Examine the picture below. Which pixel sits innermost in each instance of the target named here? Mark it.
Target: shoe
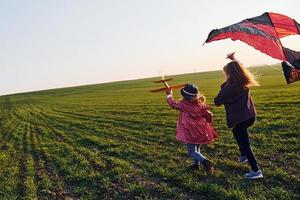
(243, 159)
(253, 175)
(209, 166)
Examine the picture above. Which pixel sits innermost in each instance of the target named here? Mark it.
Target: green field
(117, 141)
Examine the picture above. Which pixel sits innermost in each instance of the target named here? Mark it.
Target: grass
(117, 141)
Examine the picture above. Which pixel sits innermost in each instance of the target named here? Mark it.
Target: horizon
(135, 79)
(50, 45)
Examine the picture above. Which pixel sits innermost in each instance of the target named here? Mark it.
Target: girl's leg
(243, 138)
(197, 150)
(193, 151)
(198, 147)
(235, 134)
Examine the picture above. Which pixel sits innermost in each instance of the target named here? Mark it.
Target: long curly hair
(199, 99)
(238, 74)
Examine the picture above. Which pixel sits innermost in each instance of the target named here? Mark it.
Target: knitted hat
(189, 91)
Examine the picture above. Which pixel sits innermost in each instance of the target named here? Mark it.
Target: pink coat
(194, 123)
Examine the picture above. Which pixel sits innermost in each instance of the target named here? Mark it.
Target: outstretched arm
(172, 103)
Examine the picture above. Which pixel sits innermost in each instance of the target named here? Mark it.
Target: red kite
(263, 33)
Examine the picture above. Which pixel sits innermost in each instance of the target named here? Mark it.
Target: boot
(209, 166)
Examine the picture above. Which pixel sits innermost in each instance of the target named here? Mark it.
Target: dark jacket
(238, 103)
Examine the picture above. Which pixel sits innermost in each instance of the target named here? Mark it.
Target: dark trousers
(240, 132)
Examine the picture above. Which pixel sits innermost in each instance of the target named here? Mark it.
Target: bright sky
(59, 43)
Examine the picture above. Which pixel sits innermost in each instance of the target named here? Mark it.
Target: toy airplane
(167, 86)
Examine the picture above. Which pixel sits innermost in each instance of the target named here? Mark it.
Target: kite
(264, 33)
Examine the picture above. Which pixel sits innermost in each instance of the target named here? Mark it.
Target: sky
(60, 43)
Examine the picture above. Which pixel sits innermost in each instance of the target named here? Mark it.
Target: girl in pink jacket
(194, 124)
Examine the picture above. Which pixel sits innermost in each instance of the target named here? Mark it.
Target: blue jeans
(194, 152)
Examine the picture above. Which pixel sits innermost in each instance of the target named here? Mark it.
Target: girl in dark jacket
(240, 110)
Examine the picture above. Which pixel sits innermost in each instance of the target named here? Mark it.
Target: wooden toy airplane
(167, 86)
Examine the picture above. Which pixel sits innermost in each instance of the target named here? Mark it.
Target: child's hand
(169, 91)
(231, 56)
(208, 116)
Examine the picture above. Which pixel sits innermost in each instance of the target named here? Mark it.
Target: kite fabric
(293, 57)
(263, 33)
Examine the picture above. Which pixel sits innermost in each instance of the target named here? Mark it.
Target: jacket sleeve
(228, 94)
(173, 104)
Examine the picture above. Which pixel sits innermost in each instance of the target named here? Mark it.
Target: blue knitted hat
(189, 91)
